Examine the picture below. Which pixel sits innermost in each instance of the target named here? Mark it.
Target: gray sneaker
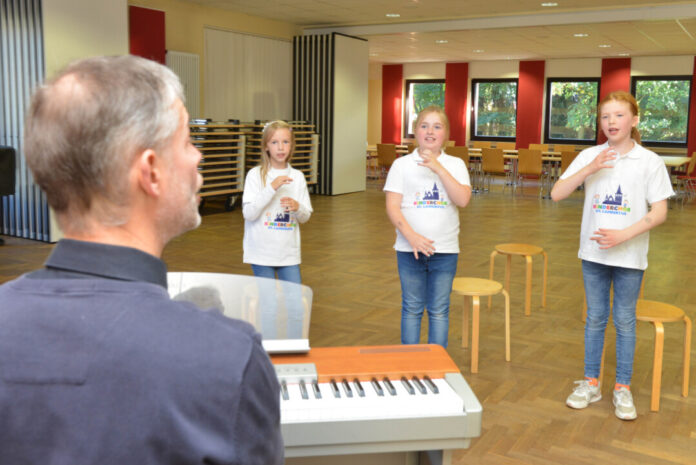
(623, 403)
(583, 395)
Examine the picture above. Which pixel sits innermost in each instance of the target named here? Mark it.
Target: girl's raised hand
(279, 181)
(604, 159)
(429, 160)
(289, 204)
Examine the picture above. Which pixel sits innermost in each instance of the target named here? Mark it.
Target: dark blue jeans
(598, 279)
(426, 283)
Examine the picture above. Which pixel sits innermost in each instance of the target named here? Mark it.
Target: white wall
(424, 70)
(662, 66)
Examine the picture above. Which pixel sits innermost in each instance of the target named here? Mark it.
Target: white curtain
(247, 77)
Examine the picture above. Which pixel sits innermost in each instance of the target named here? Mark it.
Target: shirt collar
(107, 261)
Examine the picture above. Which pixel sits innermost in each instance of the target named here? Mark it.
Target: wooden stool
(658, 313)
(526, 250)
(474, 288)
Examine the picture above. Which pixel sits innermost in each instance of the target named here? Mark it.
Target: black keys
(431, 385)
(377, 387)
(284, 390)
(358, 387)
(418, 384)
(303, 390)
(315, 388)
(334, 389)
(408, 386)
(346, 388)
(389, 386)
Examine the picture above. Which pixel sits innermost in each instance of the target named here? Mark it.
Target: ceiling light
(549, 4)
(393, 15)
(478, 50)
(624, 54)
(580, 34)
(604, 46)
(441, 41)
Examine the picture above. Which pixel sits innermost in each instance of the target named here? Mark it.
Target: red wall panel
(146, 33)
(456, 91)
(392, 103)
(530, 103)
(616, 75)
(691, 135)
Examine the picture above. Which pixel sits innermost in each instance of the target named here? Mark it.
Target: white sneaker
(583, 395)
(623, 403)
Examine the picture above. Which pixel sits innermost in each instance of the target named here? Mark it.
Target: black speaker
(7, 170)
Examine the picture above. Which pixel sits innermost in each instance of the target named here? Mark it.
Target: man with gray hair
(97, 364)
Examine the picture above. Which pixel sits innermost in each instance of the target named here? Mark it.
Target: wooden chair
(505, 145)
(411, 146)
(459, 151)
(542, 147)
(481, 144)
(450, 143)
(475, 288)
(527, 251)
(493, 162)
(474, 167)
(563, 148)
(530, 164)
(686, 184)
(386, 154)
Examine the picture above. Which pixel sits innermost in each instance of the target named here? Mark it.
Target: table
(549, 157)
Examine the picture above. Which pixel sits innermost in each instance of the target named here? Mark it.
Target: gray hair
(85, 127)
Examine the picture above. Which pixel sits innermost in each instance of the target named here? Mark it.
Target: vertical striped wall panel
(25, 214)
(186, 66)
(313, 93)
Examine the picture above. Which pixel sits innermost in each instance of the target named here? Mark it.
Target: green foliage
(664, 110)
(428, 94)
(496, 110)
(573, 110)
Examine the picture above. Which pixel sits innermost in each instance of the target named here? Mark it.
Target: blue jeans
(269, 300)
(426, 282)
(598, 280)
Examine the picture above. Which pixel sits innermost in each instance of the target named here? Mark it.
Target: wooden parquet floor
(349, 262)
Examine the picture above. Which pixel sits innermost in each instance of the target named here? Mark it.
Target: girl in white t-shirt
(423, 190)
(621, 179)
(275, 202)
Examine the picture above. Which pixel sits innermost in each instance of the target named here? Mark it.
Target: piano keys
(381, 399)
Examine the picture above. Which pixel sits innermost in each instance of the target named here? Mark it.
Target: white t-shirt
(616, 198)
(272, 235)
(424, 203)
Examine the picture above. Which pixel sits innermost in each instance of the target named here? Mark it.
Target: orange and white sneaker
(584, 394)
(623, 404)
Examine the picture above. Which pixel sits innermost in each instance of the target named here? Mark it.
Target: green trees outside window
(664, 108)
(421, 93)
(572, 110)
(495, 108)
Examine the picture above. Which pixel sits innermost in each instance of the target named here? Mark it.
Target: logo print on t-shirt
(613, 204)
(282, 221)
(430, 199)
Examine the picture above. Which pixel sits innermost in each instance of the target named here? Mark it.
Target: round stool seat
(650, 310)
(476, 286)
(519, 249)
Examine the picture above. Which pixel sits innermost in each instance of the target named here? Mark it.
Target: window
(664, 109)
(494, 109)
(571, 115)
(421, 93)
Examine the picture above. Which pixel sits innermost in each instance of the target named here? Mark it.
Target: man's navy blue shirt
(99, 366)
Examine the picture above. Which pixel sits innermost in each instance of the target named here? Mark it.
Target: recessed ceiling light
(478, 50)
(393, 15)
(374, 54)
(624, 54)
(580, 34)
(441, 41)
(549, 4)
(604, 45)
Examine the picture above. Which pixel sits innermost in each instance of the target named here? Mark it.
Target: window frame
(406, 131)
(685, 77)
(473, 115)
(547, 117)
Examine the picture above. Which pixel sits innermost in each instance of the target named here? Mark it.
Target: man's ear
(147, 170)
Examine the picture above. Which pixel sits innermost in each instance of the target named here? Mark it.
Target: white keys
(371, 405)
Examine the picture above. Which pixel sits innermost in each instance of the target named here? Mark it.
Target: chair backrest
(386, 154)
(450, 143)
(505, 145)
(563, 148)
(481, 144)
(566, 159)
(542, 147)
(459, 151)
(492, 160)
(692, 165)
(411, 147)
(529, 162)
